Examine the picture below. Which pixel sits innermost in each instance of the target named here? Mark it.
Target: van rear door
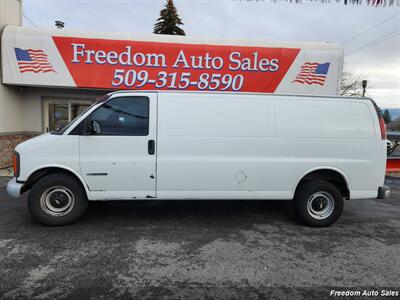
(120, 161)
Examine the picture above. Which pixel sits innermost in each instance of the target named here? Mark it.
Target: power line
(29, 19)
(377, 41)
(370, 28)
(373, 44)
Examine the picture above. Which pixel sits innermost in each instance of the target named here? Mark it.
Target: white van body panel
(225, 146)
(252, 146)
(119, 166)
(50, 151)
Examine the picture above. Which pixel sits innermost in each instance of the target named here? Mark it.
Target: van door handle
(151, 147)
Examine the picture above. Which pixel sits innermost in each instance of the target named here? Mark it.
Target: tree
(169, 21)
(351, 85)
(387, 117)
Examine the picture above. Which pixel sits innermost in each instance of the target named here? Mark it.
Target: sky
(379, 63)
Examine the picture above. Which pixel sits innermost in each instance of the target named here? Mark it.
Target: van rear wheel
(57, 199)
(318, 203)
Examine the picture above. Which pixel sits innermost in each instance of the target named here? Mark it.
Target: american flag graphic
(313, 73)
(33, 61)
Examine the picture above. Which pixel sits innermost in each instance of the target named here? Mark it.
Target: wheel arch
(38, 173)
(330, 174)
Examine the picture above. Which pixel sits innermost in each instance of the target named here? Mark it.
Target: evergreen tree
(169, 21)
(387, 117)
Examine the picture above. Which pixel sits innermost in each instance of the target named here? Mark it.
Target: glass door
(59, 113)
(77, 107)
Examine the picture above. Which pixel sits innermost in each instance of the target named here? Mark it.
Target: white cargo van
(190, 145)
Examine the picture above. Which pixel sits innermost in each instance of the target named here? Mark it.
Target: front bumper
(383, 192)
(14, 188)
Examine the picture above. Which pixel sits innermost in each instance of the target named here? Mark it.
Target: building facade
(28, 111)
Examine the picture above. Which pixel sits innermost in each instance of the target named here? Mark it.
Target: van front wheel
(318, 203)
(57, 199)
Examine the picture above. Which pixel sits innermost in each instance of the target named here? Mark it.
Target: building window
(59, 113)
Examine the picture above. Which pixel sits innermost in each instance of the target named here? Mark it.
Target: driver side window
(123, 116)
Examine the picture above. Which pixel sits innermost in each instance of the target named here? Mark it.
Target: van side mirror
(96, 128)
(91, 127)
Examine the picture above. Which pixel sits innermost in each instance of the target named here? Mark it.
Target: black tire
(65, 193)
(313, 198)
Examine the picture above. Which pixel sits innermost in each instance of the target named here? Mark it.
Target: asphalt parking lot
(199, 249)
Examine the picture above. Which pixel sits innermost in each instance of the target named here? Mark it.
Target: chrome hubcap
(320, 205)
(57, 201)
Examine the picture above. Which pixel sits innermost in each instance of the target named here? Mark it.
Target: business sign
(33, 57)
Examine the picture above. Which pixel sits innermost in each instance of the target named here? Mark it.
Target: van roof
(233, 93)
